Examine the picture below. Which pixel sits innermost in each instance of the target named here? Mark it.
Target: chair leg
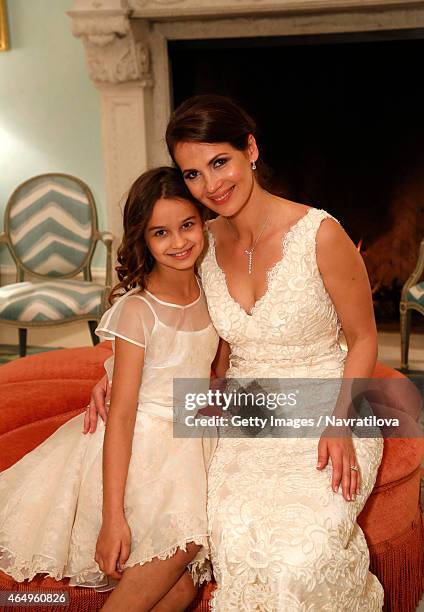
(22, 342)
(92, 325)
(405, 330)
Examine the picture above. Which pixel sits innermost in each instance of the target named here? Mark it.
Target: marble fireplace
(126, 46)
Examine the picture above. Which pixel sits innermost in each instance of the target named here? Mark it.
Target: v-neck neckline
(269, 272)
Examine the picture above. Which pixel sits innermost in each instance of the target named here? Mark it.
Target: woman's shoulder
(312, 217)
(324, 230)
(330, 236)
(205, 263)
(314, 227)
(213, 226)
(294, 212)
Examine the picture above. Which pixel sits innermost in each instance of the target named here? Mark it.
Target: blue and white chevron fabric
(50, 301)
(416, 294)
(50, 225)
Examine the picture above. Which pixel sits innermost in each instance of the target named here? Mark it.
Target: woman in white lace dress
(281, 279)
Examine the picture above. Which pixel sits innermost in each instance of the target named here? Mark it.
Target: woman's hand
(342, 454)
(100, 399)
(113, 546)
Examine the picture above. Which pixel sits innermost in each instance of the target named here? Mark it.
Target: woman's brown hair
(135, 262)
(212, 118)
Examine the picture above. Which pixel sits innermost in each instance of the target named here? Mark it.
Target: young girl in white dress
(143, 521)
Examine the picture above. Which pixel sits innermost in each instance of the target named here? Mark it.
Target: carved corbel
(112, 52)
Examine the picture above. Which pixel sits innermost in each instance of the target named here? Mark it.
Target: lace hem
(21, 569)
(200, 569)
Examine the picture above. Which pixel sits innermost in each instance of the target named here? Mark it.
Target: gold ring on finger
(354, 468)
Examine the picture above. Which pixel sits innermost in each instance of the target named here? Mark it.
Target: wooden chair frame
(406, 307)
(85, 268)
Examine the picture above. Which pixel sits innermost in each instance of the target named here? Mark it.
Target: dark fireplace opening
(341, 123)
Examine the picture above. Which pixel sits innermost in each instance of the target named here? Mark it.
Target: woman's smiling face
(218, 175)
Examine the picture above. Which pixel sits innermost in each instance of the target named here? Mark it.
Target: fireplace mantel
(176, 9)
(126, 49)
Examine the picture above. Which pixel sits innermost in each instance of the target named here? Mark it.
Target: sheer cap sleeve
(130, 318)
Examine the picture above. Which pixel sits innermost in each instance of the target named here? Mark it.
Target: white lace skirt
(51, 502)
(281, 540)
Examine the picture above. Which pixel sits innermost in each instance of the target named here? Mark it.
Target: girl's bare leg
(179, 597)
(143, 586)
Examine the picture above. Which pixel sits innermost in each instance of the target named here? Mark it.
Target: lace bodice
(179, 342)
(293, 329)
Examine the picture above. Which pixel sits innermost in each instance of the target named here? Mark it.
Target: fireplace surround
(127, 46)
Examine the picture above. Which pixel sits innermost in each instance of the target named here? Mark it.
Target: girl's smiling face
(174, 233)
(218, 175)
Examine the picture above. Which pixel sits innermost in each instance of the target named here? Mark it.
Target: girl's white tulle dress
(51, 500)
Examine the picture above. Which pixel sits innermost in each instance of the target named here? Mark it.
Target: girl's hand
(113, 546)
(342, 454)
(100, 399)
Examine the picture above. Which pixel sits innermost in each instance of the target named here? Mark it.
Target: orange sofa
(41, 392)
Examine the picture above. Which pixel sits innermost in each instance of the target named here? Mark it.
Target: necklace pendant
(249, 253)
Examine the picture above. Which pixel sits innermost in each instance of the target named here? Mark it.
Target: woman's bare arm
(345, 278)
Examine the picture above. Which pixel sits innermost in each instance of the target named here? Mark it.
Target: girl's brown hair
(212, 118)
(135, 262)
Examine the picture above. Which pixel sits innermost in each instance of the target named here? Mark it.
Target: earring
(253, 165)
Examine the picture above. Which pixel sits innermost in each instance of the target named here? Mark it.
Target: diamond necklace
(249, 252)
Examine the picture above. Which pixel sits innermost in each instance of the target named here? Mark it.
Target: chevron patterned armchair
(412, 298)
(50, 227)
